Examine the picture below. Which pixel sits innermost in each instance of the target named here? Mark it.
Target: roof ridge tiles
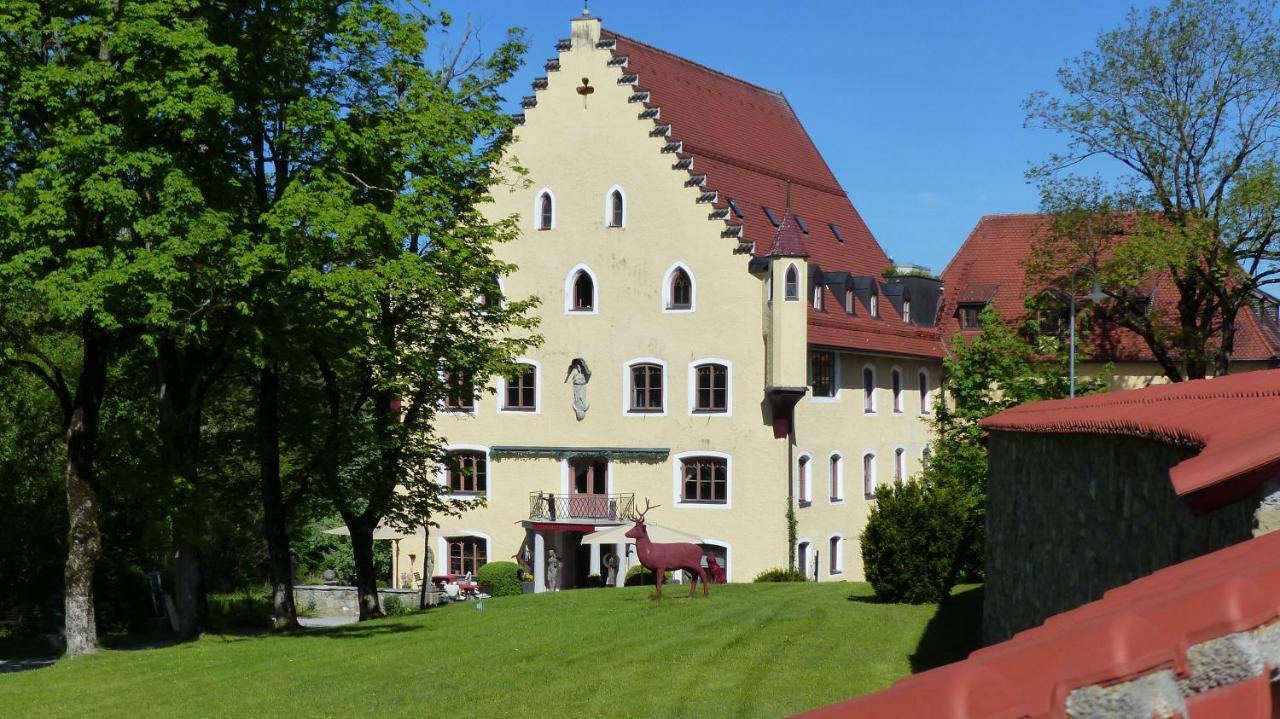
(687, 61)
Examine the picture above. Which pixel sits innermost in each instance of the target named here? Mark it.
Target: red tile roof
(788, 241)
(991, 267)
(1235, 455)
(749, 143)
(1134, 630)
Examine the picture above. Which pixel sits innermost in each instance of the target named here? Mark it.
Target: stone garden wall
(1071, 516)
(326, 600)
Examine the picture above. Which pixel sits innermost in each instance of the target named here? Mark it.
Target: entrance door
(588, 488)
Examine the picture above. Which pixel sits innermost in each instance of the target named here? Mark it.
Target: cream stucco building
(720, 335)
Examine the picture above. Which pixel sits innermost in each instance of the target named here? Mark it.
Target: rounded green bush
(638, 575)
(913, 547)
(499, 579)
(780, 575)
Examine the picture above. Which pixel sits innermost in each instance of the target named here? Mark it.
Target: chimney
(585, 31)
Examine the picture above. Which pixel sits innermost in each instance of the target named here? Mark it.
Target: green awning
(621, 454)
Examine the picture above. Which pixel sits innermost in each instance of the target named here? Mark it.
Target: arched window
(899, 465)
(584, 293)
(837, 485)
(802, 559)
(467, 472)
(906, 306)
(792, 284)
(924, 393)
(546, 210)
(817, 296)
(873, 305)
(681, 290)
(802, 481)
(646, 387)
(848, 300)
(868, 390)
(897, 392)
(869, 475)
(617, 208)
(834, 557)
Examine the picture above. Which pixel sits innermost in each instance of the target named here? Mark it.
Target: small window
(467, 472)
(712, 393)
(467, 554)
(897, 392)
(705, 480)
(792, 284)
(800, 224)
(817, 296)
(869, 475)
(868, 390)
(584, 293)
(836, 231)
(546, 211)
(733, 205)
(873, 306)
(968, 316)
(773, 220)
(616, 207)
(646, 388)
(836, 484)
(522, 391)
(681, 290)
(924, 393)
(822, 373)
(899, 465)
(459, 393)
(833, 556)
(802, 559)
(906, 307)
(802, 481)
(849, 302)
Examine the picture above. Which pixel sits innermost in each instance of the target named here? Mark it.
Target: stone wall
(1071, 516)
(325, 600)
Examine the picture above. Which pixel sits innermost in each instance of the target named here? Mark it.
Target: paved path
(22, 665)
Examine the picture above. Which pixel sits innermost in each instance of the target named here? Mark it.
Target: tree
(1183, 102)
(104, 116)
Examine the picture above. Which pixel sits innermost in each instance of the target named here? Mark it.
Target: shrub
(594, 581)
(499, 579)
(780, 575)
(395, 607)
(914, 545)
(638, 576)
(248, 609)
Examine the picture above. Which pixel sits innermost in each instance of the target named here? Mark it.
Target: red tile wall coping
(1232, 420)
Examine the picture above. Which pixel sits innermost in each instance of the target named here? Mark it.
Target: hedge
(499, 579)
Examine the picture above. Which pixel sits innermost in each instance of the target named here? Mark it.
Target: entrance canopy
(657, 533)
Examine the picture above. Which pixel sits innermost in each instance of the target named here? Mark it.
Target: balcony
(547, 507)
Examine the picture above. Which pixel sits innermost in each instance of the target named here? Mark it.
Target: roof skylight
(836, 231)
(772, 219)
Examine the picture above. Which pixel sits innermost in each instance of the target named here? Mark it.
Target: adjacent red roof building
(745, 144)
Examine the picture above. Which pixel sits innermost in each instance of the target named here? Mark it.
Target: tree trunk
(366, 576)
(84, 535)
(188, 582)
(283, 610)
(1222, 363)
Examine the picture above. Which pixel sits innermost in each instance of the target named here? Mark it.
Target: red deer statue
(658, 557)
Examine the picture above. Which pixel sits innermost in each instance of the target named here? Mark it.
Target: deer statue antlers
(639, 518)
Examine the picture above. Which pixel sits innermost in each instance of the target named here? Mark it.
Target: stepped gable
(743, 142)
(991, 267)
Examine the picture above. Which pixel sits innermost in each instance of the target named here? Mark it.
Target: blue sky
(916, 106)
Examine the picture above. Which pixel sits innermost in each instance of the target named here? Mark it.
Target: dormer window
(848, 300)
(817, 296)
(906, 307)
(617, 205)
(968, 315)
(873, 306)
(791, 289)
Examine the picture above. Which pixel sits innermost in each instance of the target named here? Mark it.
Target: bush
(499, 579)
(780, 575)
(395, 607)
(639, 576)
(248, 609)
(594, 581)
(914, 545)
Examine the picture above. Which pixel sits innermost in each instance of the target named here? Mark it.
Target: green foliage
(640, 576)
(499, 579)
(318, 550)
(788, 574)
(914, 540)
(246, 609)
(396, 607)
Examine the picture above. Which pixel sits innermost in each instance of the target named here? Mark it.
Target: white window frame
(800, 542)
(899, 464)
(442, 547)
(475, 403)
(862, 382)
(693, 387)
(568, 290)
(839, 555)
(804, 459)
(537, 209)
(896, 397)
(836, 378)
(677, 479)
(666, 290)
(817, 296)
(442, 476)
(838, 456)
(875, 481)
(873, 301)
(608, 208)
(626, 387)
(799, 284)
(728, 557)
(537, 389)
(924, 389)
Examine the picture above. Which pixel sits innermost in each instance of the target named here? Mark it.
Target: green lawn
(751, 650)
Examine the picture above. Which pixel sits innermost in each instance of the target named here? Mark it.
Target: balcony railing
(547, 507)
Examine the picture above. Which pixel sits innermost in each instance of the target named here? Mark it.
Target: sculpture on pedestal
(660, 556)
(581, 375)
(553, 571)
(611, 564)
